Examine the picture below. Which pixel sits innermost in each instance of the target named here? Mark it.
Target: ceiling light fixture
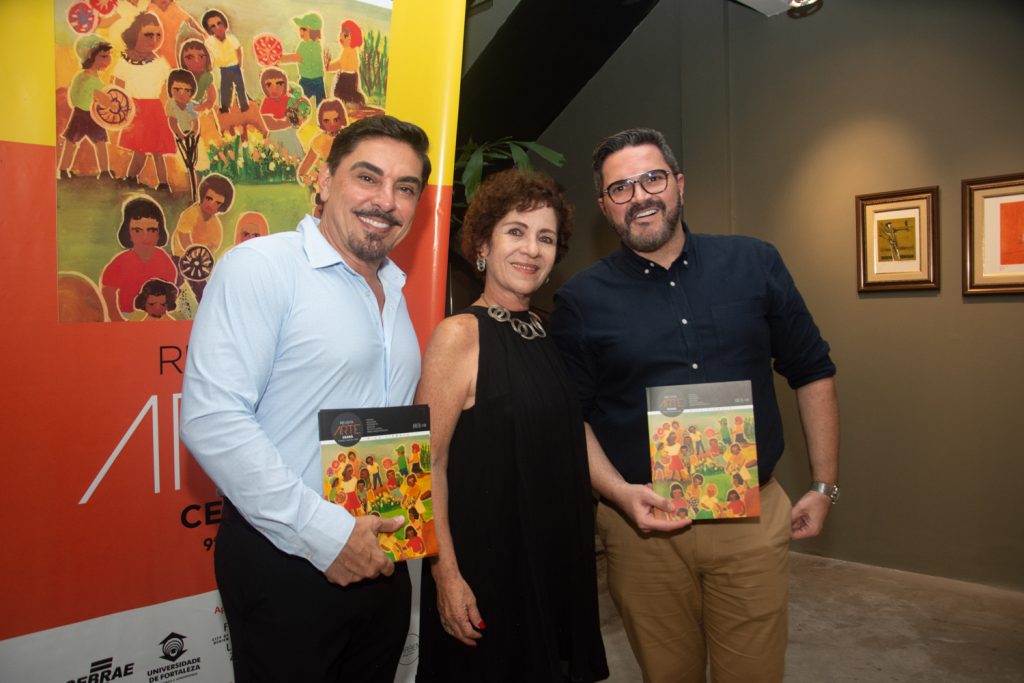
(803, 8)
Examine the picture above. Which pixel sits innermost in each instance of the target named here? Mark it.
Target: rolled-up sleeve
(800, 353)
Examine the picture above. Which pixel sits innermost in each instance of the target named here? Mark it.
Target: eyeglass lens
(653, 182)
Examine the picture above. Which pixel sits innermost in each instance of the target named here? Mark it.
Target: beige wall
(779, 124)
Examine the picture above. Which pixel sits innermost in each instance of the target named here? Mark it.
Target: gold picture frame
(993, 232)
(898, 240)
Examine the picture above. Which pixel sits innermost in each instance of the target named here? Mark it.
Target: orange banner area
(114, 512)
(80, 391)
(423, 255)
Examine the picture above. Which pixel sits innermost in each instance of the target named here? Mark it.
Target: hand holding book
(361, 557)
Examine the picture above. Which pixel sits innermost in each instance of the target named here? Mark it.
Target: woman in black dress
(512, 596)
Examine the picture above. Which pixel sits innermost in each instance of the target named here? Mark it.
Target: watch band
(830, 490)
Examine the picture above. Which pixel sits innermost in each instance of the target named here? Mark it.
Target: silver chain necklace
(527, 330)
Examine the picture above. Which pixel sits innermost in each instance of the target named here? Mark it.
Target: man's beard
(372, 246)
(649, 241)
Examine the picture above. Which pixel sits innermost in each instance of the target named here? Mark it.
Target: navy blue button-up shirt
(727, 309)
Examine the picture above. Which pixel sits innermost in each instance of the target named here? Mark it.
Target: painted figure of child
(85, 90)
(199, 224)
(309, 55)
(157, 299)
(274, 110)
(226, 52)
(142, 233)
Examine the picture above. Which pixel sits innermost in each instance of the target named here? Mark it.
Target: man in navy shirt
(675, 307)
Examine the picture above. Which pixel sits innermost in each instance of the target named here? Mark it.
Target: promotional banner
(203, 128)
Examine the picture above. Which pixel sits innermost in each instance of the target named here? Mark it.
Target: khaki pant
(717, 588)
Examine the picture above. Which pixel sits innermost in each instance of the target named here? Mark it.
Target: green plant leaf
(546, 153)
(473, 172)
(519, 157)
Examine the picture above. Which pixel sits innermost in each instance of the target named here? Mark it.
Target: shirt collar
(322, 255)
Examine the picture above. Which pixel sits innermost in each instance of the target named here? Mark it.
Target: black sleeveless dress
(522, 520)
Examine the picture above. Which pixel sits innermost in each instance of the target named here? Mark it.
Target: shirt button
(685, 262)
(647, 271)
(694, 366)
(685, 321)
(673, 283)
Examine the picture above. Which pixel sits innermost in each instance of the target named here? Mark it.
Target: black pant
(289, 623)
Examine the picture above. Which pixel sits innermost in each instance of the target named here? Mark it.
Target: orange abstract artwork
(1011, 233)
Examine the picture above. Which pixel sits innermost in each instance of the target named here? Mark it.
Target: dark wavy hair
(220, 185)
(156, 287)
(381, 127)
(330, 104)
(210, 14)
(631, 137)
(140, 207)
(181, 76)
(130, 35)
(514, 190)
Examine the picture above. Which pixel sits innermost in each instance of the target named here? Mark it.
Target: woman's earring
(481, 263)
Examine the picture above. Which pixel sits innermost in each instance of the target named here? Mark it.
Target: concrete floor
(853, 622)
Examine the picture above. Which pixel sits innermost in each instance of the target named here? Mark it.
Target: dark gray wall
(779, 123)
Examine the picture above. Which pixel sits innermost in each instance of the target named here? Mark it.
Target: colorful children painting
(380, 476)
(701, 479)
(178, 105)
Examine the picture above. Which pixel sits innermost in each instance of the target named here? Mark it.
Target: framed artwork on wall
(898, 240)
(993, 225)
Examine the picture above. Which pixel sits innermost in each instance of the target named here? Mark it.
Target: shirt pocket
(742, 332)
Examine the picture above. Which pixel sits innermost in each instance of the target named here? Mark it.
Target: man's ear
(323, 182)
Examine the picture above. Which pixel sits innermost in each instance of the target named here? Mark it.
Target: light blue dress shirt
(287, 328)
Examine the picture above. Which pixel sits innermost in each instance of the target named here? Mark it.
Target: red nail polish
(481, 625)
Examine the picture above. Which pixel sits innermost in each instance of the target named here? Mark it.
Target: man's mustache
(379, 215)
(635, 209)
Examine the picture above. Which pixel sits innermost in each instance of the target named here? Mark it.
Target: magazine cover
(376, 461)
(704, 449)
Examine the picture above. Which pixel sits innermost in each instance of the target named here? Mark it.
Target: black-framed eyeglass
(653, 182)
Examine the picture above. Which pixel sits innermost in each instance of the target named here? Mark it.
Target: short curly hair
(514, 190)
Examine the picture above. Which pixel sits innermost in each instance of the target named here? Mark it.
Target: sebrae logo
(104, 670)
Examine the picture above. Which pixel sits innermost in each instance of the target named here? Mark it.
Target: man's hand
(809, 515)
(362, 558)
(640, 503)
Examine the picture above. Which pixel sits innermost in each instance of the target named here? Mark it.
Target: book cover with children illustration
(704, 449)
(376, 461)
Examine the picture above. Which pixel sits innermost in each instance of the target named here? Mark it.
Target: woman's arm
(448, 386)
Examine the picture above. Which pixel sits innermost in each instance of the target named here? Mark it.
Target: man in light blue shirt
(290, 324)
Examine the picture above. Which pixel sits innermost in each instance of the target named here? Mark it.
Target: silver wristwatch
(830, 490)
